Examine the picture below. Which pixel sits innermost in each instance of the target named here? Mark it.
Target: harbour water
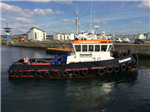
(127, 92)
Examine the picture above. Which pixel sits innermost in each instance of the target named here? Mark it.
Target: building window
(60, 37)
(35, 35)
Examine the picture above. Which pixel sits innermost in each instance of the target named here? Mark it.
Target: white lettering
(88, 42)
(124, 60)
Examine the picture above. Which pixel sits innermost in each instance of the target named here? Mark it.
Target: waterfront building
(36, 34)
(148, 36)
(63, 36)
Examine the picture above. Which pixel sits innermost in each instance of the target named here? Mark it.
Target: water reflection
(79, 93)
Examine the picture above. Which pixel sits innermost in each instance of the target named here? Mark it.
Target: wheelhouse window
(84, 48)
(97, 48)
(78, 48)
(91, 47)
(110, 48)
(103, 48)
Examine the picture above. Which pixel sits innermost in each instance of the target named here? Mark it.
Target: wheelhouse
(91, 50)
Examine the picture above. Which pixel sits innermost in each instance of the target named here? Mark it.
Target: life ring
(109, 69)
(116, 69)
(64, 73)
(123, 67)
(84, 71)
(10, 72)
(55, 73)
(46, 74)
(37, 73)
(101, 71)
(15, 72)
(20, 73)
(28, 72)
(129, 64)
(76, 72)
(134, 63)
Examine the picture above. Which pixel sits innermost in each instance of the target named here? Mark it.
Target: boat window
(84, 48)
(110, 48)
(78, 48)
(91, 47)
(103, 48)
(97, 48)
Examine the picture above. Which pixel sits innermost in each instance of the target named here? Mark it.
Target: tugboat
(89, 58)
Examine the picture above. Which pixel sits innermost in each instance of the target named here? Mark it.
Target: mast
(77, 20)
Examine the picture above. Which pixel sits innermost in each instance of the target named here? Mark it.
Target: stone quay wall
(124, 47)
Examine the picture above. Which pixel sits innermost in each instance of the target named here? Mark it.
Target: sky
(113, 17)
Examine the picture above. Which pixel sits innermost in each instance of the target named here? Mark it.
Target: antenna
(6, 25)
(91, 16)
(96, 28)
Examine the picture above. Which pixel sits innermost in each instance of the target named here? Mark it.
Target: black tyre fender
(109, 69)
(37, 73)
(116, 69)
(28, 72)
(15, 72)
(64, 73)
(101, 71)
(134, 64)
(76, 72)
(129, 64)
(20, 73)
(123, 67)
(46, 74)
(10, 72)
(55, 73)
(84, 71)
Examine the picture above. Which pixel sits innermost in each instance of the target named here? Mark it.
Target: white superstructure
(90, 50)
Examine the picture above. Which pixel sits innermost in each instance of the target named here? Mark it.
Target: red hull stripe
(43, 70)
(98, 67)
(28, 70)
(75, 69)
(55, 70)
(70, 69)
(81, 68)
(40, 63)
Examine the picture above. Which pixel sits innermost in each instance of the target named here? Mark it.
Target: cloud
(27, 12)
(145, 4)
(64, 2)
(66, 20)
(40, 1)
(94, 21)
(21, 20)
(58, 24)
(136, 22)
(20, 29)
(9, 8)
(69, 2)
(3, 20)
(106, 22)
